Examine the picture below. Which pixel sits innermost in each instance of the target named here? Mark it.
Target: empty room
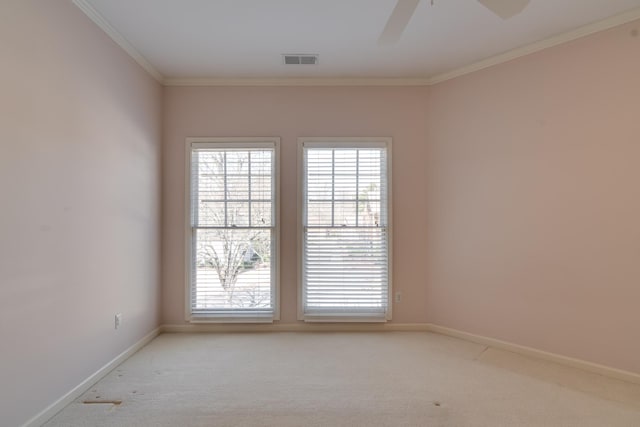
(319, 213)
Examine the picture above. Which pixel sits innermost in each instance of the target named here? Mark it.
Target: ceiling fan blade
(398, 21)
(505, 9)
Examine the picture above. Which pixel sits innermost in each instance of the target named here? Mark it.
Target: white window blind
(345, 227)
(233, 232)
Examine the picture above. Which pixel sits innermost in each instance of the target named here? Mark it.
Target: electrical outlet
(118, 320)
(398, 296)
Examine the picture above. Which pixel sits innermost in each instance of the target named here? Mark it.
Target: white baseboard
(296, 327)
(55, 407)
(539, 354)
(85, 385)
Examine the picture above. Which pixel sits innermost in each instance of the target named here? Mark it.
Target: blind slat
(345, 243)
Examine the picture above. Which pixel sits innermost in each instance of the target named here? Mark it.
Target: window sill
(333, 318)
(226, 318)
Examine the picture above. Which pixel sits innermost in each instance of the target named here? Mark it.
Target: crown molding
(101, 22)
(586, 30)
(298, 82)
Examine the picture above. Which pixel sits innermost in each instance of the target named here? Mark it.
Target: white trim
(85, 385)
(101, 22)
(187, 230)
(233, 141)
(278, 233)
(351, 318)
(583, 31)
(361, 81)
(230, 144)
(559, 39)
(348, 142)
(528, 49)
(296, 327)
(272, 142)
(215, 318)
(299, 237)
(389, 178)
(538, 354)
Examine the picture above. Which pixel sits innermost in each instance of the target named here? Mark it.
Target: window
(232, 236)
(345, 229)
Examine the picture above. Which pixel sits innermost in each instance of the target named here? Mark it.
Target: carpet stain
(109, 402)
(481, 353)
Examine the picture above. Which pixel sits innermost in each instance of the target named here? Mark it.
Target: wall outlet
(398, 296)
(118, 320)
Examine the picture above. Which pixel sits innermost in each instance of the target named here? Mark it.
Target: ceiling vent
(300, 59)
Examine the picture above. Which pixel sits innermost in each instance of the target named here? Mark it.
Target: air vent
(300, 59)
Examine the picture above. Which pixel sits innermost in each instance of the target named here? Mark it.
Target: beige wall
(79, 187)
(516, 197)
(533, 200)
(291, 112)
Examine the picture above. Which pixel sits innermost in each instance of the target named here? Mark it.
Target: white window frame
(343, 142)
(237, 143)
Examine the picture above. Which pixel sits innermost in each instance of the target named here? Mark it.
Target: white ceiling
(190, 39)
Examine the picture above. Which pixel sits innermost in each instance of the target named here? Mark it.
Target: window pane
(237, 162)
(211, 214)
(238, 187)
(344, 214)
(261, 214)
(369, 187)
(369, 161)
(320, 187)
(237, 214)
(210, 187)
(345, 187)
(260, 187)
(232, 269)
(319, 162)
(233, 218)
(368, 213)
(210, 162)
(345, 162)
(261, 162)
(319, 213)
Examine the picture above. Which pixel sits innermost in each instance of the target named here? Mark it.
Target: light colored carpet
(346, 379)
